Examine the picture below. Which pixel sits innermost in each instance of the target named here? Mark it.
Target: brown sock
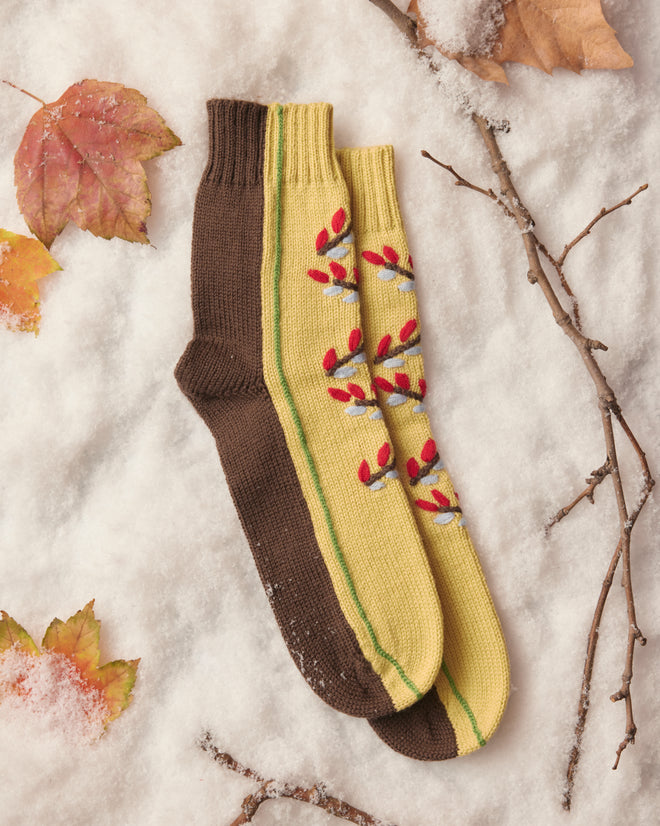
(221, 372)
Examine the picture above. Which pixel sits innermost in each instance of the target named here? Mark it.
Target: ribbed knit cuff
(369, 175)
(236, 152)
(309, 146)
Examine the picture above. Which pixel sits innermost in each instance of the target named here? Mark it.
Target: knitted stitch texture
(357, 609)
(321, 387)
(472, 688)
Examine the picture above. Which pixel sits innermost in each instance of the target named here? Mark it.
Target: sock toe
(422, 731)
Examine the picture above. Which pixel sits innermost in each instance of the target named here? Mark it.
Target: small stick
(316, 795)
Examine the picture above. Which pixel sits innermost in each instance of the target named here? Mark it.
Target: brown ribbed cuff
(236, 129)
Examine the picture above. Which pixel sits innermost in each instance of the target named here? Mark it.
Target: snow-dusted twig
(512, 205)
(316, 795)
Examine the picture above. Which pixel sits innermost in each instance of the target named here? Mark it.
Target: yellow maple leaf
(76, 640)
(23, 261)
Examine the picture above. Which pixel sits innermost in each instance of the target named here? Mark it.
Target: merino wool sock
(465, 706)
(276, 369)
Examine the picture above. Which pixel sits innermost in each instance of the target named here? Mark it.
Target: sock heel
(210, 368)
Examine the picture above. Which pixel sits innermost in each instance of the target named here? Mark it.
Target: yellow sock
(320, 385)
(472, 687)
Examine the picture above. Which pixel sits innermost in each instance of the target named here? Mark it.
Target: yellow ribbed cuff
(369, 174)
(309, 145)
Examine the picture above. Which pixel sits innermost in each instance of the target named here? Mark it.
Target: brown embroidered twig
(424, 470)
(510, 202)
(316, 795)
(335, 241)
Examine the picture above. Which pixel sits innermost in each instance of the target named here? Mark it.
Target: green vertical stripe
(464, 705)
(296, 419)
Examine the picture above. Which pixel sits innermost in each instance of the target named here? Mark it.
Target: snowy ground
(111, 487)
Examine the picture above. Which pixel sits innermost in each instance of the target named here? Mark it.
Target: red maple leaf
(81, 160)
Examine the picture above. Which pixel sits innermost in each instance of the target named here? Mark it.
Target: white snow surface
(111, 487)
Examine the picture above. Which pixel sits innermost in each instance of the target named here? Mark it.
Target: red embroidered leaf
(356, 275)
(354, 339)
(317, 275)
(383, 455)
(338, 220)
(373, 388)
(384, 344)
(384, 384)
(440, 498)
(373, 257)
(355, 390)
(456, 495)
(330, 359)
(412, 466)
(340, 395)
(321, 238)
(428, 451)
(363, 471)
(402, 381)
(337, 270)
(407, 330)
(422, 387)
(81, 160)
(410, 263)
(426, 506)
(391, 255)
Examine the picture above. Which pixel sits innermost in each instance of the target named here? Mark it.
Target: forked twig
(510, 202)
(316, 795)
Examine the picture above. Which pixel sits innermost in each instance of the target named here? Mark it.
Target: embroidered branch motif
(332, 246)
(390, 267)
(400, 391)
(338, 281)
(445, 511)
(424, 474)
(386, 469)
(358, 398)
(390, 356)
(342, 368)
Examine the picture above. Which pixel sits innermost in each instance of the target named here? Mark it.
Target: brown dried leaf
(571, 34)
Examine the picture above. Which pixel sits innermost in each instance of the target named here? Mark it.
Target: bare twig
(607, 403)
(597, 476)
(273, 789)
(604, 211)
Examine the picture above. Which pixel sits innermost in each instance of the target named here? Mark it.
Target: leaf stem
(25, 92)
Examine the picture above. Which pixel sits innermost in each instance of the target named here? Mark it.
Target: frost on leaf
(62, 683)
(546, 34)
(81, 160)
(23, 261)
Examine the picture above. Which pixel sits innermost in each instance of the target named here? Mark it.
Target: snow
(111, 487)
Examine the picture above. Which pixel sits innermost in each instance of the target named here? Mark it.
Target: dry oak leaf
(23, 261)
(546, 34)
(77, 640)
(81, 160)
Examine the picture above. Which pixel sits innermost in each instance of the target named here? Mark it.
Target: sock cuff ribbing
(369, 174)
(235, 142)
(308, 147)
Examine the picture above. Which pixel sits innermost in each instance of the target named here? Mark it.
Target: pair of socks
(306, 365)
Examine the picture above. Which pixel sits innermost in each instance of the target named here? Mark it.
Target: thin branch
(593, 223)
(461, 181)
(597, 476)
(316, 795)
(607, 403)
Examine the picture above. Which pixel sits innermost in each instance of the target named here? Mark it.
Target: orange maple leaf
(23, 261)
(81, 160)
(546, 34)
(76, 640)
